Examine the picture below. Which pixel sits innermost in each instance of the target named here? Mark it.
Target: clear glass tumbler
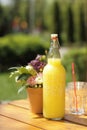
(77, 99)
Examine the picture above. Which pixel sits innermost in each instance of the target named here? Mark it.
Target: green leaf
(22, 70)
(23, 76)
(21, 89)
(15, 73)
(31, 70)
(13, 68)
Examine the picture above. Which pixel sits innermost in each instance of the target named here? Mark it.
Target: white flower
(39, 79)
(28, 67)
(31, 70)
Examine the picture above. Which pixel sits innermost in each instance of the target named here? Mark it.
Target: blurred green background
(25, 28)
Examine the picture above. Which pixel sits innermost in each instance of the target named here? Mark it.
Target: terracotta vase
(35, 96)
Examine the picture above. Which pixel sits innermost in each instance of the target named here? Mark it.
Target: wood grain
(11, 124)
(76, 119)
(20, 103)
(70, 117)
(23, 115)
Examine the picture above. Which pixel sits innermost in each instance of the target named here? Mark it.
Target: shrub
(19, 49)
(79, 57)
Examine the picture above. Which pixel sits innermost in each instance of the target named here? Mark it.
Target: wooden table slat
(77, 119)
(10, 124)
(25, 116)
(20, 103)
(70, 117)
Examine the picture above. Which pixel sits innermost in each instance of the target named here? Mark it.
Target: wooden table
(17, 116)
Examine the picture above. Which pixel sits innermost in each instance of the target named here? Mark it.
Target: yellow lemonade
(54, 89)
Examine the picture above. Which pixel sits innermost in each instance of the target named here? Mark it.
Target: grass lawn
(8, 89)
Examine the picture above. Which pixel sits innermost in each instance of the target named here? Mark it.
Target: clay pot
(35, 96)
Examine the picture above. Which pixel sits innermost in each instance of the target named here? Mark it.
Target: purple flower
(38, 64)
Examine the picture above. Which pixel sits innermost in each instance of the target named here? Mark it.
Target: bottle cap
(53, 36)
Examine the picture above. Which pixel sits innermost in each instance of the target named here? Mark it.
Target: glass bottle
(54, 83)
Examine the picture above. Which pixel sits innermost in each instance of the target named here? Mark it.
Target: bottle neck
(55, 43)
(54, 48)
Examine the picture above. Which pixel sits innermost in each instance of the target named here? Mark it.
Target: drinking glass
(76, 97)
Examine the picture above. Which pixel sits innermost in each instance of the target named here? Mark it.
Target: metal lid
(54, 35)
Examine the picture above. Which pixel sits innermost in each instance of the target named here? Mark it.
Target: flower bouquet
(30, 77)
